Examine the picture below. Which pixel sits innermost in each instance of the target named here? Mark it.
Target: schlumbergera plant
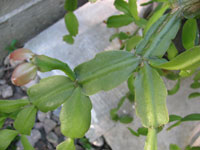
(141, 62)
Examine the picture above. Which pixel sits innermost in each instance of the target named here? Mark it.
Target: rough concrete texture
(93, 38)
(23, 19)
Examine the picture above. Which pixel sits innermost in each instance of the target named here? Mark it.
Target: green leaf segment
(105, 72)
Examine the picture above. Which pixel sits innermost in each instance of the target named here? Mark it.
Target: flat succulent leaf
(106, 71)
(2, 120)
(145, 41)
(71, 23)
(130, 83)
(187, 60)
(8, 106)
(132, 42)
(51, 92)
(191, 117)
(122, 5)
(175, 89)
(133, 132)
(69, 39)
(70, 5)
(174, 118)
(25, 120)
(195, 85)
(66, 145)
(194, 95)
(189, 33)
(133, 9)
(197, 76)
(26, 144)
(125, 119)
(174, 147)
(151, 140)
(6, 137)
(172, 52)
(75, 115)
(156, 15)
(150, 96)
(161, 42)
(45, 64)
(117, 21)
(142, 131)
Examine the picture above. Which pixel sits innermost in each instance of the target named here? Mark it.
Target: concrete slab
(94, 37)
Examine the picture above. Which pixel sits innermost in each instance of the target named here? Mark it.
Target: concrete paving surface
(93, 38)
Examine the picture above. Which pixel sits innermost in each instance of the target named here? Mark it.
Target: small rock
(41, 116)
(1, 72)
(6, 91)
(49, 146)
(49, 125)
(57, 131)
(52, 138)
(2, 82)
(98, 142)
(7, 60)
(38, 125)
(35, 136)
(56, 118)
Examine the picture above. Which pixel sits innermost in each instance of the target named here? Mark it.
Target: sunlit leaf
(132, 42)
(172, 51)
(122, 5)
(106, 71)
(75, 115)
(51, 92)
(66, 145)
(187, 60)
(26, 144)
(25, 120)
(174, 118)
(8, 106)
(71, 23)
(151, 96)
(45, 64)
(189, 33)
(133, 9)
(6, 137)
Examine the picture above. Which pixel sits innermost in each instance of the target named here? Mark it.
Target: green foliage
(12, 46)
(25, 143)
(151, 96)
(189, 33)
(45, 64)
(69, 39)
(60, 88)
(75, 115)
(70, 5)
(132, 42)
(119, 21)
(194, 95)
(66, 145)
(187, 60)
(175, 89)
(174, 147)
(25, 120)
(71, 23)
(6, 137)
(8, 106)
(106, 71)
(172, 51)
(85, 143)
